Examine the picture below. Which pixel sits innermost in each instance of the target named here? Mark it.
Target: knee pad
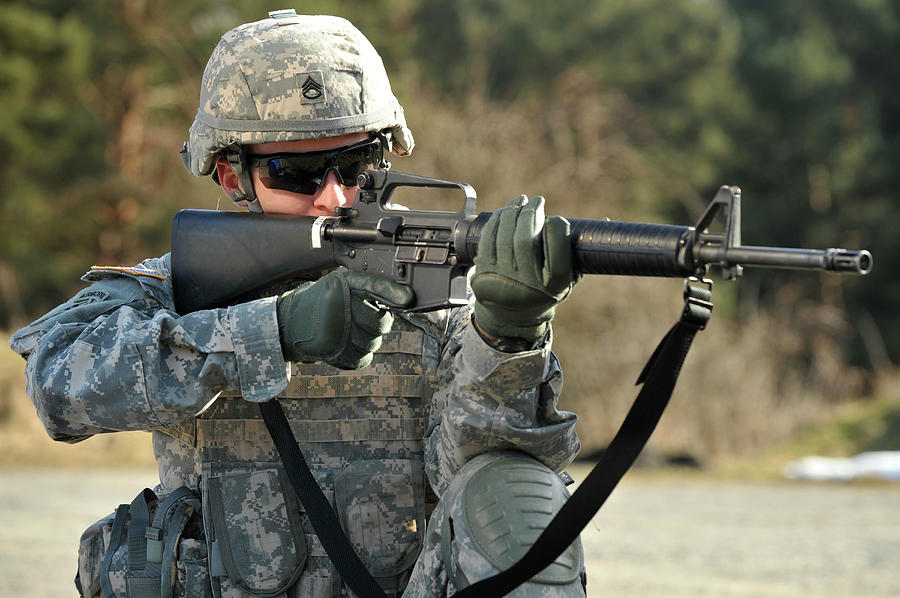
(499, 504)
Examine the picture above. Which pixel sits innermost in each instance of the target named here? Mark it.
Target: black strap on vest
(321, 516)
(658, 379)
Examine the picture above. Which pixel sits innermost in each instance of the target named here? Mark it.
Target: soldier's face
(322, 203)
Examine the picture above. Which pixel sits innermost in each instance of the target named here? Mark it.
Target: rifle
(220, 257)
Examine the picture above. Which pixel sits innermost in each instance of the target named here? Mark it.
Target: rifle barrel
(833, 260)
(642, 249)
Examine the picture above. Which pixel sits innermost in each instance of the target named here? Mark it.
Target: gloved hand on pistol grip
(335, 320)
(522, 271)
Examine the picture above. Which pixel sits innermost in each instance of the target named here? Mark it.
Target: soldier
(392, 410)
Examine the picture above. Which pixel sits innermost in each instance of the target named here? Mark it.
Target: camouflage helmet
(288, 78)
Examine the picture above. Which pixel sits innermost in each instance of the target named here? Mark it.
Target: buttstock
(217, 257)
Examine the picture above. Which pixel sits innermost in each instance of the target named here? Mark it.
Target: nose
(331, 195)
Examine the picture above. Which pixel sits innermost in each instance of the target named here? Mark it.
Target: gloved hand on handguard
(522, 271)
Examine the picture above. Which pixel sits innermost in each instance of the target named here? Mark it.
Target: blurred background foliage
(632, 109)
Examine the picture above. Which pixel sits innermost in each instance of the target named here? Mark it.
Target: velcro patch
(90, 296)
(132, 270)
(312, 87)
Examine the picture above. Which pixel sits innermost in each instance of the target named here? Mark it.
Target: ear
(228, 178)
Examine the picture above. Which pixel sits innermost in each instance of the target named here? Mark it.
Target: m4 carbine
(220, 258)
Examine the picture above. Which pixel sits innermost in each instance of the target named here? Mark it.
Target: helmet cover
(289, 78)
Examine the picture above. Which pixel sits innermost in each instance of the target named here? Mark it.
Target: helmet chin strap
(385, 149)
(237, 159)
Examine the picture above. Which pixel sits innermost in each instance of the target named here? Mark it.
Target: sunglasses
(305, 173)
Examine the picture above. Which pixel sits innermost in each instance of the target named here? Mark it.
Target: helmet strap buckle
(385, 148)
(237, 159)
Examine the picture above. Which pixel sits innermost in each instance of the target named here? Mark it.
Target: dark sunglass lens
(352, 163)
(275, 167)
(286, 183)
(297, 166)
(299, 174)
(349, 172)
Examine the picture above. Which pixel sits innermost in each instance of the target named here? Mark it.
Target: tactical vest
(361, 432)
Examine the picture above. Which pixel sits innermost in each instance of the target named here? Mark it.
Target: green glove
(335, 320)
(522, 270)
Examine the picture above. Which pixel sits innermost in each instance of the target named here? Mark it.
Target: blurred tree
(794, 101)
(87, 92)
(51, 141)
(820, 152)
(671, 61)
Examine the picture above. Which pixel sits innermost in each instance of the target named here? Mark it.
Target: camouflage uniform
(117, 357)
(435, 409)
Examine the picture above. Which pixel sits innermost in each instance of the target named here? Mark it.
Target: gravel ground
(655, 537)
(700, 538)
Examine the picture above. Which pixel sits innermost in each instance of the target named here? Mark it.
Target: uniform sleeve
(489, 400)
(118, 357)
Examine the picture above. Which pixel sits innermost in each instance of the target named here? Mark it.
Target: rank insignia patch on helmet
(312, 87)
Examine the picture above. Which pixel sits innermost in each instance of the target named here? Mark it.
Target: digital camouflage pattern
(255, 531)
(383, 441)
(120, 339)
(292, 78)
(172, 562)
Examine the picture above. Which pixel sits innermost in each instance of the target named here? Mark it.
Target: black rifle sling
(658, 379)
(321, 516)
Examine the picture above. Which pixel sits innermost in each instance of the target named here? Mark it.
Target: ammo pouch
(257, 542)
(262, 543)
(381, 507)
(148, 549)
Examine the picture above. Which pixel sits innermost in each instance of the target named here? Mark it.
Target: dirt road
(656, 537)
